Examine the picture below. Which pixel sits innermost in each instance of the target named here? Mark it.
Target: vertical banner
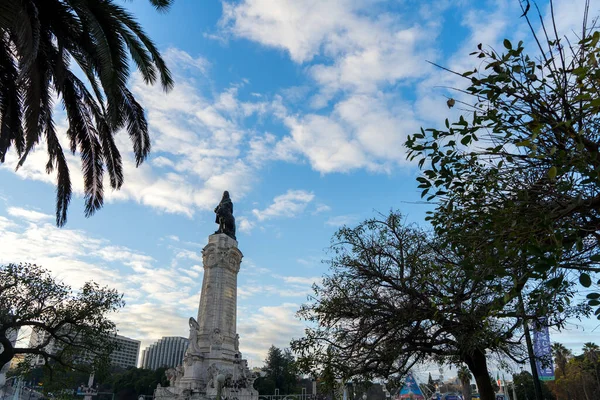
(411, 389)
(543, 352)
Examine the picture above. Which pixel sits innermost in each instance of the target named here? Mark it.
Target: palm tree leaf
(137, 127)
(100, 43)
(83, 132)
(25, 32)
(33, 87)
(161, 5)
(140, 56)
(111, 154)
(93, 171)
(69, 34)
(132, 24)
(10, 102)
(8, 12)
(56, 158)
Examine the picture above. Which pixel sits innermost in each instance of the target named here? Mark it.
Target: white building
(127, 353)
(166, 352)
(125, 356)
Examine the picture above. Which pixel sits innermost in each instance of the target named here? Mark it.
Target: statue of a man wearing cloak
(225, 217)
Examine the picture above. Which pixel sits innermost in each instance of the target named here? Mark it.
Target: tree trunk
(8, 353)
(466, 388)
(584, 388)
(478, 366)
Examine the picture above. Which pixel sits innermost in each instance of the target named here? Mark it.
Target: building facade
(167, 352)
(39, 336)
(127, 354)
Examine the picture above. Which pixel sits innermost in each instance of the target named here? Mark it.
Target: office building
(125, 356)
(127, 353)
(166, 352)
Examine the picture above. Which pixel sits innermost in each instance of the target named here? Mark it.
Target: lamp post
(220, 382)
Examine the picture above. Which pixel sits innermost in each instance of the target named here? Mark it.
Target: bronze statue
(225, 217)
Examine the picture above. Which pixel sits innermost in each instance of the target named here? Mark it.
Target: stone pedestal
(213, 354)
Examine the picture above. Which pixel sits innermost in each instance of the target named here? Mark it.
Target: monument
(213, 364)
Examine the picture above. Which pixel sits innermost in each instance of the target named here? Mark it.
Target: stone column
(218, 301)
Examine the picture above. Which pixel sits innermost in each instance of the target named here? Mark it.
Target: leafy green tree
(133, 382)
(395, 297)
(524, 389)
(591, 352)
(75, 322)
(562, 355)
(521, 164)
(39, 40)
(280, 373)
(56, 381)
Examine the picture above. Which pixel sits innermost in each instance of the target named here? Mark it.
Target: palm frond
(140, 56)
(161, 5)
(8, 12)
(38, 41)
(96, 40)
(111, 154)
(11, 130)
(125, 18)
(82, 131)
(137, 127)
(25, 34)
(56, 159)
(33, 87)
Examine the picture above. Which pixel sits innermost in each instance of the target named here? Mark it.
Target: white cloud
(302, 280)
(74, 257)
(181, 59)
(245, 225)
(299, 27)
(287, 205)
(29, 215)
(321, 208)
(340, 220)
(361, 132)
(273, 325)
(369, 46)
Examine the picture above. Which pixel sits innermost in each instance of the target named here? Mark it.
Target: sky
(300, 109)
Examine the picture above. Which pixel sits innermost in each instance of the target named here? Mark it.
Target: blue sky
(300, 109)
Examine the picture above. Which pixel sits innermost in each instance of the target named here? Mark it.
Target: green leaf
(595, 257)
(507, 44)
(552, 173)
(585, 280)
(593, 296)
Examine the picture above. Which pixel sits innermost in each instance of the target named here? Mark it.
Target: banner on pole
(543, 352)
